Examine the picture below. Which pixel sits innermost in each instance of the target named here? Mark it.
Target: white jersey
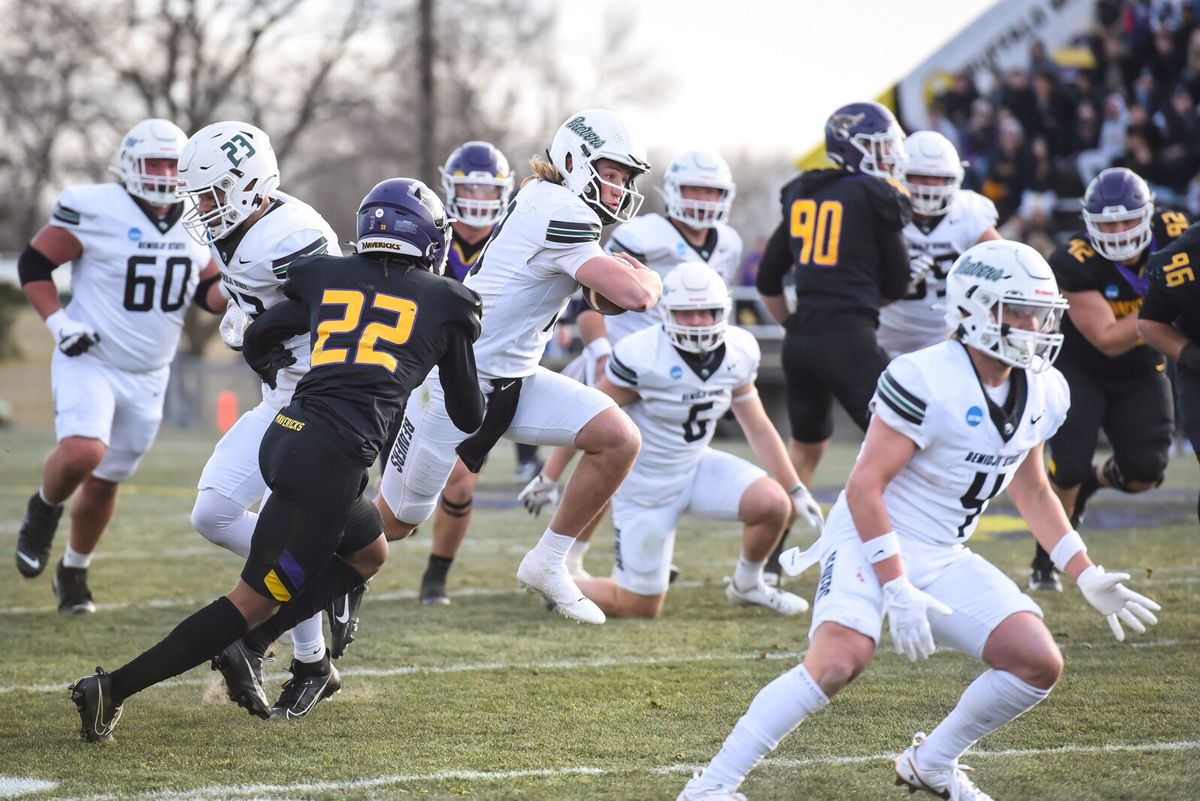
(654, 240)
(135, 277)
(918, 320)
(526, 275)
(254, 265)
(967, 447)
(679, 404)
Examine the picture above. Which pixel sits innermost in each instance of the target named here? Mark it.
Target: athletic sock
(748, 574)
(42, 495)
(575, 553)
(334, 580)
(553, 547)
(992, 700)
(74, 559)
(308, 639)
(776, 710)
(437, 569)
(199, 637)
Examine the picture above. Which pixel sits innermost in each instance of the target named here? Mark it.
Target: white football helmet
(698, 168)
(998, 277)
(587, 137)
(150, 139)
(233, 165)
(476, 164)
(695, 285)
(931, 154)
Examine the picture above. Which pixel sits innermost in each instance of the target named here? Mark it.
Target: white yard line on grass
(566, 664)
(262, 790)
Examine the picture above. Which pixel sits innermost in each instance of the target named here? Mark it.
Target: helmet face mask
(866, 138)
(404, 217)
(472, 167)
(225, 171)
(152, 139)
(695, 286)
(705, 170)
(930, 155)
(1003, 300)
(1118, 195)
(585, 140)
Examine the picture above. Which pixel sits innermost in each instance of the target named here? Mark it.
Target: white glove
(1114, 600)
(807, 507)
(233, 326)
(908, 617)
(919, 268)
(538, 494)
(72, 336)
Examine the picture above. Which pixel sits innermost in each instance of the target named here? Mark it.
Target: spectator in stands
(1032, 222)
(1008, 168)
(1111, 144)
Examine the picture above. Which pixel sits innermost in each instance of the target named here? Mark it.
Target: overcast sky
(765, 74)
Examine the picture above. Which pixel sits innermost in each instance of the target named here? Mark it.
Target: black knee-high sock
(333, 581)
(199, 637)
(438, 568)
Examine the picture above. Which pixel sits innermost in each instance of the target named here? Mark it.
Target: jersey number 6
(352, 302)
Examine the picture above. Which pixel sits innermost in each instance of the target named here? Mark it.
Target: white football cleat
(557, 587)
(781, 602)
(951, 784)
(690, 793)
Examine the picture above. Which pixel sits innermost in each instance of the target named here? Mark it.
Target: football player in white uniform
(133, 272)
(947, 220)
(230, 176)
(699, 190)
(954, 425)
(545, 247)
(676, 380)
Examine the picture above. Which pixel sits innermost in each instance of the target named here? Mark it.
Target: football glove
(73, 337)
(1116, 602)
(270, 363)
(807, 507)
(908, 617)
(539, 494)
(233, 326)
(919, 268)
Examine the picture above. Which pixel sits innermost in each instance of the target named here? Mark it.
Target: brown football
(599, 303)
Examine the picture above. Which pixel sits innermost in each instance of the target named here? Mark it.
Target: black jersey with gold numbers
(1079, 268)
(842, 234)
(377, 329)
(1174, 294)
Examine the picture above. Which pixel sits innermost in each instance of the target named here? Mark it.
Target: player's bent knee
(610, 431)
(1137, 473)
(764, 501)
(393, 528)
(81, 454)
(215, 516)
(367, 561)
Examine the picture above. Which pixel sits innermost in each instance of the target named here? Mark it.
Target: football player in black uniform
(1169, 321)
(1117, 383)
(380, 320)
(842, 232)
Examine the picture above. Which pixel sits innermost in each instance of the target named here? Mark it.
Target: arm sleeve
(776, 262)
(900, 400)
(273, 327)
(32, 265)
(894, 267)
(456, 370)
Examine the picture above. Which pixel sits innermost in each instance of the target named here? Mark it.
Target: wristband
(598, 347)
(882, 547)
(1066, 548)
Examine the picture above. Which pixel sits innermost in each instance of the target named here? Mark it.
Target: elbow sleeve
(32, 265)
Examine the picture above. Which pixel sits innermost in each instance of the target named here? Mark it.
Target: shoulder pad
(890, 200)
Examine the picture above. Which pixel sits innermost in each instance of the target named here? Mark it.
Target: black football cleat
(98, 714)
(242, 670)
(1044, 578)
(343, 620)
(433, 591)
(71, 589)
(35, 535)
(309, 684)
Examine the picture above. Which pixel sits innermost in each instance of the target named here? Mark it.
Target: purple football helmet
(865, 137)
(404, 217)
(481, 166)
(1118, 195)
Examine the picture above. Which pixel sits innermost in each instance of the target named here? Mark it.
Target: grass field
(494, 698)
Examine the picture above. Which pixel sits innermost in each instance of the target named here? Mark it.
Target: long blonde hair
(542, 171)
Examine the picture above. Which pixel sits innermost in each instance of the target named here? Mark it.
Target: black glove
(270, 363)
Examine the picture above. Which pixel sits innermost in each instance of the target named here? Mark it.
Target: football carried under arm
(621, 280)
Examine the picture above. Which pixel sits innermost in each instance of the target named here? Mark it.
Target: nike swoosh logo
(1035, 419)
(505, 386)
(244, 261)
(34, 563)
(344, 615)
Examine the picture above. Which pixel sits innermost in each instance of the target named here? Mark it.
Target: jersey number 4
(139, 289)
(973, 501)
(352, 302)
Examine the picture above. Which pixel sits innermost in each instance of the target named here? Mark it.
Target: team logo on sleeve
(135, 234)
(676, 371)
(974, 416)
